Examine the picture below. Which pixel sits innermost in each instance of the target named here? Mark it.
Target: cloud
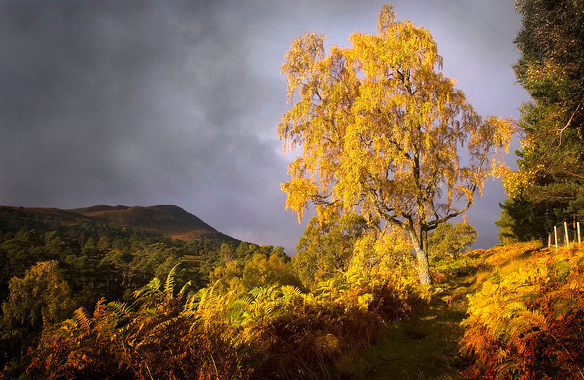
(137, 102)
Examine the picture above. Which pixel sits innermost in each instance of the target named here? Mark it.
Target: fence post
(556, 236)
(567, 237)
(578, 227)
(549, 239)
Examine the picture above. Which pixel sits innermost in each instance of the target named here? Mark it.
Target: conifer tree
(550, 178)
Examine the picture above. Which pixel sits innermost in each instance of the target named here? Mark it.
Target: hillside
(513, 311)
(57, 261)
(510, 312)
(163, 220)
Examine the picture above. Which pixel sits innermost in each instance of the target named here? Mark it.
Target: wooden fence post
(578, 227)
(556, 236)
(567, 237)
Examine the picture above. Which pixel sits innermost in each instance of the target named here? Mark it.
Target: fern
(183, 290)
(151, 288)
(169, 284)
(526, 321)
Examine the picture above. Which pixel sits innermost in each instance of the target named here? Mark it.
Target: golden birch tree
(384, 133)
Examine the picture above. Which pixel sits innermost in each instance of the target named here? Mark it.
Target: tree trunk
(423, 267)
(422, 258)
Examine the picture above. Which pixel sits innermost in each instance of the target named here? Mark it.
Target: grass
(426, 345)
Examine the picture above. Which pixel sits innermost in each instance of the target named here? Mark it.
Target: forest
(384, 284)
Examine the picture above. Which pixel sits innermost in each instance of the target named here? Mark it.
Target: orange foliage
(271, 332)
(528, 323)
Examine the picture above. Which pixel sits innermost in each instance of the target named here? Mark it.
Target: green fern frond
(237, 310)
(120, 309)
(169, 284)
(289, 293)
(151, 288)
(78, 324)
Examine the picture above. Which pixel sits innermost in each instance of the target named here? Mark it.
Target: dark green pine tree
(548, 187)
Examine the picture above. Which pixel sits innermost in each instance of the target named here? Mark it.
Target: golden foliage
(527, 322)
(221, 333)
(382, 130)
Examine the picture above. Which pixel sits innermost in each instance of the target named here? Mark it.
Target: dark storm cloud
(150, 102)
(138, 103)
(100, 83)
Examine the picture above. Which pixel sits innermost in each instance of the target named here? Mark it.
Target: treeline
(253, 317)
(105, 263)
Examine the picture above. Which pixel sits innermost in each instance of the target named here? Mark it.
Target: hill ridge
(166, 220)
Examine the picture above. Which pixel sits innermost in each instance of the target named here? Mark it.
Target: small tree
(449, 240)
(41, 297)
(326, 248)
(382, 132)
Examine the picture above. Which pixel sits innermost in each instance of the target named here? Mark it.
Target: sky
(137, 102)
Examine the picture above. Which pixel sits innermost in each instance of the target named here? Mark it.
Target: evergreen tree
(550, 177)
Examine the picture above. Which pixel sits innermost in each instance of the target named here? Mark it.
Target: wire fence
(565, 235)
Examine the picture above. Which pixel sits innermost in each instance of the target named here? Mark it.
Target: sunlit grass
(426, 345)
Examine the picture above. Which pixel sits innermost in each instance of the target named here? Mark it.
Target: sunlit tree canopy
(383, 132)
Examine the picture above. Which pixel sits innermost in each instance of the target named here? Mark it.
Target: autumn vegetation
(527, 319)
(384, 283)
(382, 132)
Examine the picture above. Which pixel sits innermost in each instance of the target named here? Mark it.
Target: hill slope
(509, 312)
(165, 220)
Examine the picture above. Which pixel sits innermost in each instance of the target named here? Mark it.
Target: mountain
(165, 220)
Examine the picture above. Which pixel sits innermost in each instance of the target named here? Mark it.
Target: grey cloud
(133, 102)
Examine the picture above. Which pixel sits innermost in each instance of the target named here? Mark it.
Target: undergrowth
(527, 320)
(524, 321)
(274, 332)
(510, 312)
